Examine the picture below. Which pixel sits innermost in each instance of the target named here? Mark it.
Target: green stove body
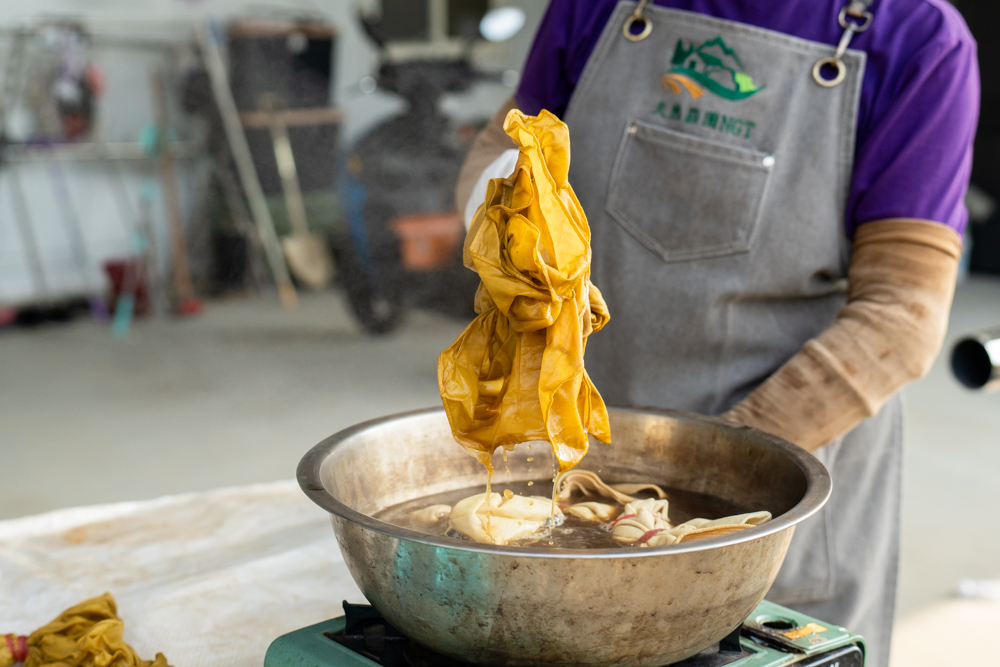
(772, 636)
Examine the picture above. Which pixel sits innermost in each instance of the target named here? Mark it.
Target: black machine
(406, 165)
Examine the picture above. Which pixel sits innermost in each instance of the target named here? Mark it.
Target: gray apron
(714, 171)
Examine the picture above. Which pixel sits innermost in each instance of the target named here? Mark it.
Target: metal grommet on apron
(857, 9)
(637, 15)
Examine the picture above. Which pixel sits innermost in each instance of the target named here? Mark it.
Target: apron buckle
(857, 9)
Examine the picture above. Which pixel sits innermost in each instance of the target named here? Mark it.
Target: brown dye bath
(573, 532)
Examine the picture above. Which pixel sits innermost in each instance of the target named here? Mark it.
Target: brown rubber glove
(900, 285)
(487, 147)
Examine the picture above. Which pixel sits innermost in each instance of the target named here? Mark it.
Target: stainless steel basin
(493, 605)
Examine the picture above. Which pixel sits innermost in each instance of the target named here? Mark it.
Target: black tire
(375, 292)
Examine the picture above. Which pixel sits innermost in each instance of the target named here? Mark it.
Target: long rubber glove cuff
(502, 167)
(900, 285)
(488, 145)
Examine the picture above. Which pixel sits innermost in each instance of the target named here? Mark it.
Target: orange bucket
(429, 241)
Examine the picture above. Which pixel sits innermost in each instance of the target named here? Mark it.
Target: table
(208, 578)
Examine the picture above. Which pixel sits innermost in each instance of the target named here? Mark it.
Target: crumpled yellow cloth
(516, 373)
(86, 635)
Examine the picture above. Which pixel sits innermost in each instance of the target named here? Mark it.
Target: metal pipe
(108, 151)
(975, 360)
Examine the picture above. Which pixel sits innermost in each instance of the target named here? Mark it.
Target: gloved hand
(516, 373)
(493, 155)
(900, 286)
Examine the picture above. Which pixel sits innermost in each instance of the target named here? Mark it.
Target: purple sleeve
(566, 36)
(915, 156)
(544, 80)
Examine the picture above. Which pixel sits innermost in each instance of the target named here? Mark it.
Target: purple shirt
(919, 100)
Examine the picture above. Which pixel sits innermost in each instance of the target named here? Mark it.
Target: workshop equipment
(503, 605)
(60, 186)
(428, 241)
(308, 254)
(75, 84)
(13, 71)
(185, 302)
(138, 226)
(407, 166)
(128, 287)
(772, 636)
(244, 164)
(25, 227)
(43, 123)
(129, 284)
(13, 65)
(975, 360)
(293, 60)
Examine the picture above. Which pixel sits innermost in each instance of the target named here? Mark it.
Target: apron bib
(714, 171)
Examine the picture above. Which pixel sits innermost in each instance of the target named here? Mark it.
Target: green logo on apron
(738, 127)
(713, 66)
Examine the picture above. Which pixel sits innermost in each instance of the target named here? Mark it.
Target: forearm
(488, 145)
(900, 285)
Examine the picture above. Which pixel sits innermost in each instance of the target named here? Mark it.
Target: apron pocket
(685, 197)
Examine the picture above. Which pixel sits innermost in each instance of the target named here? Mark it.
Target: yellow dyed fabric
(516, 373)
(87, 635)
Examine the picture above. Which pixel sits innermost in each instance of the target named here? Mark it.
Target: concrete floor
(239, 394)
(233, 397)
(951, 472)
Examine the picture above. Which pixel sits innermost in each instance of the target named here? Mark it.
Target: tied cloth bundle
(87, 635)
(516, 373)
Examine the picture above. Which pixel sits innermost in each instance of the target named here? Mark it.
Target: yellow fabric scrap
(87, 635)
(516, 373)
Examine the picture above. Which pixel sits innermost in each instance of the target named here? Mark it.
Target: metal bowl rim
(818, 489)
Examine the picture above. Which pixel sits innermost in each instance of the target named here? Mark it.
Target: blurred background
(227, 230)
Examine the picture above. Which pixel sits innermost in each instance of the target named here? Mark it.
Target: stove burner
(728, 651)
(367, 633)
(772, 636)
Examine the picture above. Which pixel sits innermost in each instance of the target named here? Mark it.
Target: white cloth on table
(207, 578)
(499, 519)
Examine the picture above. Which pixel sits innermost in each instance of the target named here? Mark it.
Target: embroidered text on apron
(714, 171)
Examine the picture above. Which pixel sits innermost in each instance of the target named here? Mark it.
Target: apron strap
(857, 9)
(854, 18)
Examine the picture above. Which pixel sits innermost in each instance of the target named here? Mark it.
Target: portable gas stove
(772, 636)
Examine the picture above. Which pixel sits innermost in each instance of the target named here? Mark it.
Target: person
(775, 193)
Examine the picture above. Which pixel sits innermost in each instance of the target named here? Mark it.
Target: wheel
(370, 267)
(375, 293)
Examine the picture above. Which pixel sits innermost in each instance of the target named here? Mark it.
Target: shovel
(308, 254)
